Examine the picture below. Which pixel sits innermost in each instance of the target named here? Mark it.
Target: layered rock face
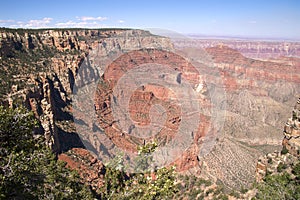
(257, 49)
(89, 168)
(291, 139)
(290, 153)
(41, 68)
(258, 97)
(142, 100)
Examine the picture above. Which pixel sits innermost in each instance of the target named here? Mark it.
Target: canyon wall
(283, 161)
(41, 67)
(252, 48)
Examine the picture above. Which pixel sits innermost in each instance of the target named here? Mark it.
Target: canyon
(252, 48)
(245, 91)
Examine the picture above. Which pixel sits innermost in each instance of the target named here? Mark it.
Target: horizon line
(192, 34)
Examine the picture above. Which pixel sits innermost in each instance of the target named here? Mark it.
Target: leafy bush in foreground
(28, 169)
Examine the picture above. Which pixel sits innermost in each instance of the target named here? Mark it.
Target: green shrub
(270, 161)
(284, 150)
(279, 186)
(296, 171)
(139, 185)
(28, 169)
(281, 167)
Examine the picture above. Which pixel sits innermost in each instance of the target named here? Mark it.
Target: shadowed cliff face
(40, 68)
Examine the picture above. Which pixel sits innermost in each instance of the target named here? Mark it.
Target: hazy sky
(255, 18)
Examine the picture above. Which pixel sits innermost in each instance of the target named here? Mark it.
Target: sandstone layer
(41, 67)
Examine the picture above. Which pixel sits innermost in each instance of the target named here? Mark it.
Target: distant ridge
(236, 37)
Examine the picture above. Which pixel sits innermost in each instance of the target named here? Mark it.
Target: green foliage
(284, 150)
(223, 197)
(145, 158)
(280, 186)
(147, 148)
(16, 126)
(270, 161)
(234, 194)
(281, 166)
(296, 172)
(192, 187)
(28, 169)
(209, 191)
(115, 178)
(157, 185)
(145, 187)
(243, 190)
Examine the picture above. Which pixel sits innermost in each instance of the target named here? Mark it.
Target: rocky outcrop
(258, 97)
(141, 101)
(41, 67)
(291, 139)
(259, 93)
(284, 160)
(90, 169)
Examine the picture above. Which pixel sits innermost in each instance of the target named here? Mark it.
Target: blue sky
(254, 18)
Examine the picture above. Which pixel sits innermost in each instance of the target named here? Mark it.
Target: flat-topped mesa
(251, 48)
(61, 39)
(61, 51)
(226, 54)
(242, 68)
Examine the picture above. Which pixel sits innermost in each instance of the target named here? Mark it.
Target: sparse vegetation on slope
(283, 185)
